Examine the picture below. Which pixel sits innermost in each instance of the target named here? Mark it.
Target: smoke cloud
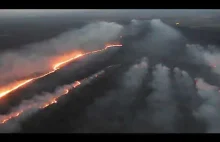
(159, 112)
(208, 111)
(29, 107)
(176, 103)
(135, 27)
(188, 101)
(168, 109)
(185, 87)
(41, 101)
(111, 113)
(157, 42)
(39, 57)
(161, 100)
(116, 111)
(209, 56)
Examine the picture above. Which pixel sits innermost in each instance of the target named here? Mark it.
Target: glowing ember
(7, 89)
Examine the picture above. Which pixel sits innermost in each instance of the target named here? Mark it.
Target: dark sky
(108, 13)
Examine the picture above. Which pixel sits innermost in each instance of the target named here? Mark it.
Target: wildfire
(58, 65)
(40, 106)
(50, 101)
(115, 45)
(12, 87)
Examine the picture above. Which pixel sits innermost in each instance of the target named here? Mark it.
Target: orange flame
(13, 87)
(65, 59)
(40, 106)
(113, 45)
(77, 83)
(51, 101)
(9, 88)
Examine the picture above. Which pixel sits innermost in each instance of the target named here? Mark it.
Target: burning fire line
(65, 91)
(55, 67)
(53, 100)
(40, 106)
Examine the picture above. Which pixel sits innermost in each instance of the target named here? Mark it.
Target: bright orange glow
(12, 87)
(15, 86)
(57, 66)
(112, 45)
(77, 83)
(62, 61)
(48, 102)
(35, 105)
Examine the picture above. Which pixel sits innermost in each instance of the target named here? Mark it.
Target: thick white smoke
(135, 75)
(38, 57)
(209, 56)
(159, 39)
(166, 32)
(111, 113)
(172, 104)
(209, 110)
(204, 89)
(159, 114)
(29, 107)
(188, 101)
(134, 27)
(185, 87)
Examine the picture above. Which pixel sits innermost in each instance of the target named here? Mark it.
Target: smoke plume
(159, 38)
(176, 103)
(111, 113)
(11, 122)
(208, 111)
(160, 110)
(184, 86)
(39, 57)
(209, 56)
(188, 101)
